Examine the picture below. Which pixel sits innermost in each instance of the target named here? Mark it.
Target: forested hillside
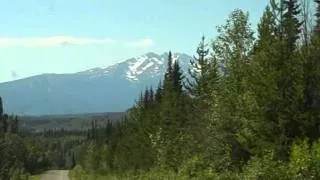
(250, 110)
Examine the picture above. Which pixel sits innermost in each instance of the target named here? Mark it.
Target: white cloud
(50, 41)
(142, 43)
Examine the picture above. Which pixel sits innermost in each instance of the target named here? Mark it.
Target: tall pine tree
(232, 50)
(317, 27)
(289, 76)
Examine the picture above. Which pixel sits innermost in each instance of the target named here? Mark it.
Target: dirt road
(55, 175)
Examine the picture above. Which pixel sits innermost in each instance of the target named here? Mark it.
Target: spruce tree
(14, 124)
(73, 161)
(109, 128)
(172, 115)
(168, 74)
(232, 50)
(266, 29)
(201, 89)
(311, 103)
(291, 24)
(199, 67)
(146, 98)
(177, 77)
(151, 97)
(5, 123)
(289, 77)
(167, 82)
(263, 84)
(159, 93)
(317, 15)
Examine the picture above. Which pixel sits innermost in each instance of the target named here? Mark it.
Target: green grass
(35, 177)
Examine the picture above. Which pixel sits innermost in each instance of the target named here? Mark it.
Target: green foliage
(304, 160)
(13, 155)
(315, 159)
(300, 160)
(77, 173)
(193, 167)
(92, 157)
(265, 168)
(232, 116)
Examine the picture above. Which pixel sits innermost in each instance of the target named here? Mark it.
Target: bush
(77, 173)
(195, 167)
(300, 160)
(315, 160)
(265, 168)
(305, 160)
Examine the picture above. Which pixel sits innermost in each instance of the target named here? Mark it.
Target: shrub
(265, 168)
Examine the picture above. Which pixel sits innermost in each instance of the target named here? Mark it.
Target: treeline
(25, 153)
(250, 110)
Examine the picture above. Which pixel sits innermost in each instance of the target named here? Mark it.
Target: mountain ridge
(109, 89)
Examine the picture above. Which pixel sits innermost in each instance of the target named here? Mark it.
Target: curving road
(55, 175)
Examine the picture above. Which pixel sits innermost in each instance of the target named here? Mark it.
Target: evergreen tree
(291, 24)
(73, 161)
(146, 98)
(14, 123)
(172, 114)
(263, 83)
(167, 83)
(5, 123)
(151, 96)
(317, 28)
(290, 84)
(277, 69)
(232, 112)
(202, 88)
(311, 104)
(159, 93)
(109, 130)
(198, 69)
(266, 29)
(169, 65)
(177, 77)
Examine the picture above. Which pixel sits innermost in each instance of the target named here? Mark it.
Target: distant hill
(111, 89)
(68, 122)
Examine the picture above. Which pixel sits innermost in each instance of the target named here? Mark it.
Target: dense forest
(249, 109)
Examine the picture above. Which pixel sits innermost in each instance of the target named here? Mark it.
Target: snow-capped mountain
(139, 69)
(110, 89)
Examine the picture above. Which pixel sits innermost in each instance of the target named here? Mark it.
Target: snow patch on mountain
(133, 66)
(131, 77)
(136, 69)
(175, 58)
(142, 64)
(157, 60)
(147, 66)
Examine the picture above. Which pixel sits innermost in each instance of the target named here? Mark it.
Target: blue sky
(65, 36)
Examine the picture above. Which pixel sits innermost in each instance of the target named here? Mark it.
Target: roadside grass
(34, 177)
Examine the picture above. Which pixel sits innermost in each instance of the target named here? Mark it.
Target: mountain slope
(110, 89)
